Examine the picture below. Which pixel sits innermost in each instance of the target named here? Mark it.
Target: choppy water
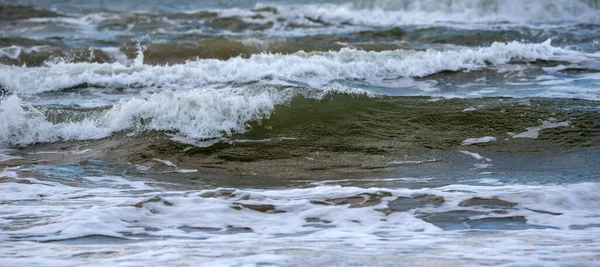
(419, 133)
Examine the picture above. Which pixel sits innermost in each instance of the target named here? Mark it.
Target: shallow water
(246, 133)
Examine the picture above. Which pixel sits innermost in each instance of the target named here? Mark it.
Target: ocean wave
(200, 114)
(313, 116)
(316, 69)
(394, 13)
(302, 19)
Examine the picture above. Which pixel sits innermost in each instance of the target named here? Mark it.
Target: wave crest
(316, 69)
(199, 114)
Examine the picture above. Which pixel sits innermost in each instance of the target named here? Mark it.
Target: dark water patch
(503, 223)
(39, 56)
(263, 208)
(267, 9)
(79, 87)
(317, 220)
(545, 212)
(14, 180)
(155, 199)
(93, 239)
(21, 41)
(575, 71)
(360, 200)
(583, 227)
(201, 15)
(395, 32)
(451, 220)
(4, 91)
(443, 35)
(189, 229)
(469, 220)
(230, 230)
(174, 24)
(237, 230)
(490, 203)
(402, 204)
(318, 223)
(223, 193)
(424, 37)
(237, 25)
(98, 254)
(12, 12)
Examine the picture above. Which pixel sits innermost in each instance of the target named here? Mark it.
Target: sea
(300, 133)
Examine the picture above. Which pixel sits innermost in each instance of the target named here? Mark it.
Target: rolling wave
(199, 114)
(316, 116)
(315, 69)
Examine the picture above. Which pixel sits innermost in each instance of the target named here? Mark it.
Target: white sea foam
(166, 162)
(534, 132)
(318, 69)
(201, 225)
(482, 165)
(186, 170)
(472, 141)
(23, 124)
(196, 114)
(472, 154)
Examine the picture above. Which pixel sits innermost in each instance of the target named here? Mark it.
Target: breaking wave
(315, 69)
(200, 113)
